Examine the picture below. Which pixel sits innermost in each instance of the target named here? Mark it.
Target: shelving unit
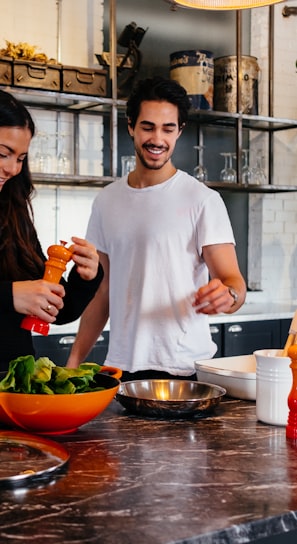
(258, 123)
(74, 104)
(252, 122)
(112, 108)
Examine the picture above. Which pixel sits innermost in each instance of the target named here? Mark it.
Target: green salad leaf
(27, 375)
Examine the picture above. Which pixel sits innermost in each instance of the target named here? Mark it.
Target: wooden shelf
(240, 188)
(70, 180)
(251, 122)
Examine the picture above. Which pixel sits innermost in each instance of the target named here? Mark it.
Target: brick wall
(273, 218)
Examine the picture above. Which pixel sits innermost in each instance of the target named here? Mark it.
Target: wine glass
(63, 159)
(228, 174)
(200, 172)
(258, 174)
(128, 164)
(44, 157)
(246, 170)
(33, 155)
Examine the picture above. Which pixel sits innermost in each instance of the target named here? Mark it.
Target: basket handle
(85, 77)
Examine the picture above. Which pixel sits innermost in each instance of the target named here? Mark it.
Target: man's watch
(234, 295)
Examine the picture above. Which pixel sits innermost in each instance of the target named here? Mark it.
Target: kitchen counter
(260, 311)
(225, 478)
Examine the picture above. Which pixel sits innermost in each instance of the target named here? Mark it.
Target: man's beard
(152, 165)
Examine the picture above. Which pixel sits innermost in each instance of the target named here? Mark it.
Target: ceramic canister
(273, 385)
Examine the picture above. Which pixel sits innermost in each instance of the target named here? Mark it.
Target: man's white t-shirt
(154, 238)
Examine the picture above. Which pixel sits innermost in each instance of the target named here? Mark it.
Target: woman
(22, 289)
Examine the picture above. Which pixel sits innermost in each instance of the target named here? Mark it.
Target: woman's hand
(39, 297)
(85, 257)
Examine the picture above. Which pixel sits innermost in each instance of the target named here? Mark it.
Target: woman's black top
(15, 341)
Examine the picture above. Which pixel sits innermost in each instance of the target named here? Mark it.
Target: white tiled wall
(273, 224)
(61, 212)
(36, 22)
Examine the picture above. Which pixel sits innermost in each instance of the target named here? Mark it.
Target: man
(160, 235)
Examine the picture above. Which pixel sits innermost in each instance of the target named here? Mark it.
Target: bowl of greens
(40, 397)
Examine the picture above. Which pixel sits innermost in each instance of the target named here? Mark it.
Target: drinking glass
(246, 170)
(258, 174)
(200, 172)
(33, 155)
(44, 158)
(128, 164)
(63, 159)
(228, 174)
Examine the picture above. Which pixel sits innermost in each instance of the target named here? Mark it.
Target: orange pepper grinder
(59, 256)
(291, 429)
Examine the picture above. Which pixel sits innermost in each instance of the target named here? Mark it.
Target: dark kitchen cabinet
(242, 338)
(57, 347)
(284, 331)
(217, 335)
(99, 351)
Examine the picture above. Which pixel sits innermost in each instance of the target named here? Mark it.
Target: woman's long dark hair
(20, 258)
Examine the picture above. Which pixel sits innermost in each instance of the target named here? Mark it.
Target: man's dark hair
(158, 88)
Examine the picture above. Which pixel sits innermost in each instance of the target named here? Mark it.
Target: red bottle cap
(34, 324)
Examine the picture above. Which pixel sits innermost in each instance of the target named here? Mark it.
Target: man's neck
(143, 177)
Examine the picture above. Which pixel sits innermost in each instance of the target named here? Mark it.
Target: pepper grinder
(291, 429)
(55, 266)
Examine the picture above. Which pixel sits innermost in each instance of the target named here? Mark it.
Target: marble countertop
(218, 479)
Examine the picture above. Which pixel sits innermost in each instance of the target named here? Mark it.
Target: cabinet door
(284, 331)
(99, 351)
(244, 338)
(216, 334)
(57, 347)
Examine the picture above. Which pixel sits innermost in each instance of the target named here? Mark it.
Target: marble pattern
(222, 478)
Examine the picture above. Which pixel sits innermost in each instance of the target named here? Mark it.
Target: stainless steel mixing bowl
(169, 398)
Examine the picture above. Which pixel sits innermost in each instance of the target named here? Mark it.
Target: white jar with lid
(273, 385)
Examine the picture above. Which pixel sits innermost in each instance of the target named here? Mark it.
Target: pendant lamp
(221, 4)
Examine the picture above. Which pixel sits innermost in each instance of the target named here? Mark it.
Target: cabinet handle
(235, 328)
(65, 340)
(214, 329)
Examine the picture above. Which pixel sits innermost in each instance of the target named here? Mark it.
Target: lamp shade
(222, 4)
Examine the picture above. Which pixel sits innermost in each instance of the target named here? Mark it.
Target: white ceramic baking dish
(236, 374)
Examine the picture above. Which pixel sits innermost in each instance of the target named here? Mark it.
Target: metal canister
(225, 84)
(193, 69)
